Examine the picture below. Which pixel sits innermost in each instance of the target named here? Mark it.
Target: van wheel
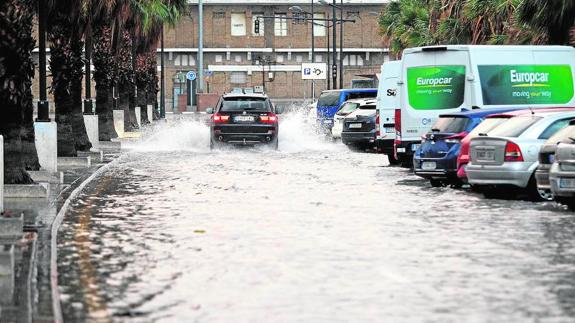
(436, 183)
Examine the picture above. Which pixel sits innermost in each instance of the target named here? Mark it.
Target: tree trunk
(126, 81)
(78, 126)
(105, 72)
(16, 72)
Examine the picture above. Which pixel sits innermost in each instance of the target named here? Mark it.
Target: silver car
(346, 109)
(504, 160)
(562, 175)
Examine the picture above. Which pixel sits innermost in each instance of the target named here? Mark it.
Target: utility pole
(43, 104)
(201, 46)
(328, 60)
(341, 45)
(312, 47)
(334, 63)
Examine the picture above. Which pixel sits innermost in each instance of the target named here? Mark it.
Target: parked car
(562, 174)
(346, 109)
(243, 119)
(487, 125)
(359, 126)
(547, 154)
(436, 158)
(330, 101)
(507, 157)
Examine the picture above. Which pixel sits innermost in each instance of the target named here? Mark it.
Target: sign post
(313, 71)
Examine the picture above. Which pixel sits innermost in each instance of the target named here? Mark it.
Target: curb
(55, 293)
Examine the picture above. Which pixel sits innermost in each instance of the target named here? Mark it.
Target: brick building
(237, 56)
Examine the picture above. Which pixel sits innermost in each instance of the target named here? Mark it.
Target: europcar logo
(434, 82)
(529, 79)
(436, 87)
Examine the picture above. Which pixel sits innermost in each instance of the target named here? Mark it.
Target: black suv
(243, 119)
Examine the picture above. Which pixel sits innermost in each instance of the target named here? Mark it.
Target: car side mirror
(210, 110)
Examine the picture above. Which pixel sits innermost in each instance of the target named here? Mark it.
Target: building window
(298, 58)
(219, 15)
(319, 29)
(352, 14)
(238, 77)
(219, 58)
(238, 58)
(280, 58)
(353, 60)
(319, 58)
(280, 24)
(261, 20)
(178, 61)
(238, 24)
(184, 60)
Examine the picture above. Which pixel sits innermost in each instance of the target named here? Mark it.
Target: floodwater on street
(311, 233)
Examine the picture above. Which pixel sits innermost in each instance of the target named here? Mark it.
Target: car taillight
(377, 127)
(513, 152)
(218, 118)
(270, 118)
(398, 125)
(455, 139)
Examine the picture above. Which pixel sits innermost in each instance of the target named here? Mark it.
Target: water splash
(298, 132)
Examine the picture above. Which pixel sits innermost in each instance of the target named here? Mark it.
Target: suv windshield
(450, 124)
(487, 125)
(515, 126)
(347, 108)
(245, 104)
(328, 99)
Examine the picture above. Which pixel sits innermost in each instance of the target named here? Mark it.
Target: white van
(445, 79)
(387, 102)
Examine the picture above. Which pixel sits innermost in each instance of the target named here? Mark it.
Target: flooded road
(309, 233)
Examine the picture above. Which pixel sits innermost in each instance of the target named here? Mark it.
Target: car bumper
(248, 138)
(510, 173)
(349, 138)
(542, 177)
(406, 149)
(555, 176)
(444, 167)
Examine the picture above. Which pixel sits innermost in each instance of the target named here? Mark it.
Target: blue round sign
(191, 75)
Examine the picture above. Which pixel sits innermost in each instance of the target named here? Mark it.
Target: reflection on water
(311, 233)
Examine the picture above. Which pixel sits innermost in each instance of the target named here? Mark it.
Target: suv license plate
(486, 155)
(244, 118)
(428, 165)
(567, 182)
(354, 125)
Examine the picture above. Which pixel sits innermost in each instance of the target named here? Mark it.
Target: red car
(487, 125)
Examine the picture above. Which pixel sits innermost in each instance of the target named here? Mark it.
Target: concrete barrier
(150, 112)
(47, 177)
(111, 145)
(1, 174)
(74, 162)
(11, 227)
(7, 278)
(47, 145)
(139, 116)
(91, 122)
(119, 122)
(97, 156)
(26, 191)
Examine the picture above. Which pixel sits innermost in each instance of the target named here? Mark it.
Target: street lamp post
(334, 65)
(340, 44)
(201, 46)
(162, 78)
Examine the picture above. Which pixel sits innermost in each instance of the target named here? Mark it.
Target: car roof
(244, 95)
(538, 111)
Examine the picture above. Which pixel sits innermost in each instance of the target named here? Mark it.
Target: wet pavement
(309, 233)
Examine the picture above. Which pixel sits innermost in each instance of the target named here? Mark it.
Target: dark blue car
(330, 101)
(436, 158)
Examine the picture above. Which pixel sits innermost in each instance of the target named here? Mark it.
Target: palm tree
(555, 18)
(65, 31)
(16, 73)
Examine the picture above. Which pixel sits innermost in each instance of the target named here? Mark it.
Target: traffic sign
(191, 75)
(313, 71)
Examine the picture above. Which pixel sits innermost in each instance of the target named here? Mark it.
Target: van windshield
(328, 99)
(486, 126)
(514, 127)
(347, 108)
(245, 104)
(450, 124)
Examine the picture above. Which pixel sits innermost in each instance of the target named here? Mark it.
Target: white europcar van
(387, 102)
(445, 79)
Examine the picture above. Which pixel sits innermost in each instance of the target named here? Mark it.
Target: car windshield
(450, 124)
(367, 107)
(514, 127)
(565, 135)
(245, 104)
(487, 125)
(347, 108)
(328, 99)
(361, 95)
